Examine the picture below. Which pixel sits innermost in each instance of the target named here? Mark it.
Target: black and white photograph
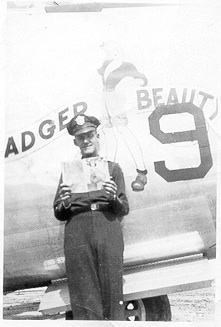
(112, 152)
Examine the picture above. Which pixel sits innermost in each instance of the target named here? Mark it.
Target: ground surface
(191, 306)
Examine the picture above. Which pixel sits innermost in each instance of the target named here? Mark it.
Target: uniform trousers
(93, 246)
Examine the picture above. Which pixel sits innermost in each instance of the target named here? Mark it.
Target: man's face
(88, 143)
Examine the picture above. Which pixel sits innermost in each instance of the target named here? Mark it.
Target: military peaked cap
(82, 124)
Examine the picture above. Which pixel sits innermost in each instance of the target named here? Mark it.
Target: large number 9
(199, 134)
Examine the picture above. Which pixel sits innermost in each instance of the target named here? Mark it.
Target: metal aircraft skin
(158, 106)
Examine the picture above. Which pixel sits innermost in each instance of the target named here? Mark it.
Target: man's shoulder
(113, 165)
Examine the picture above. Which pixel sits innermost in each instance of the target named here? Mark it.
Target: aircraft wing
(82, 6)
(96, 7)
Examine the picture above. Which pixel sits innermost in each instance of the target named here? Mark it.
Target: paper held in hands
(85, 175)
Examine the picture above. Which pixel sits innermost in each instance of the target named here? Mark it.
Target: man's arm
(119, 203)
(61, 207)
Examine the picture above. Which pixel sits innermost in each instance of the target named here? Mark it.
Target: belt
(92, 207)
(99, 207)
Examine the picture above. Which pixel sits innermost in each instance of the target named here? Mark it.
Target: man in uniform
(93, 240)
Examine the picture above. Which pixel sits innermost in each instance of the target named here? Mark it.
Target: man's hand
(111, 188)
(65, 193)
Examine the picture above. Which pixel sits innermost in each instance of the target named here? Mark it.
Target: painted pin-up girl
(115, 73)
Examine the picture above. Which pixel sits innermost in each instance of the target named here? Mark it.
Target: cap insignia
(80, 120)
